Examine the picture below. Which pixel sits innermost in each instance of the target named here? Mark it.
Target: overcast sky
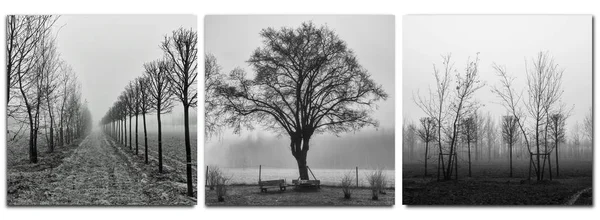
(506, 40)
(107, 51)
(232, 39)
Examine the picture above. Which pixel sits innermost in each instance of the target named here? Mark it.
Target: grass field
(247, 195)
(490, 185)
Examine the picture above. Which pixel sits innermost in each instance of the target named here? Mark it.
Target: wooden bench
(307, 183)
(264, 185)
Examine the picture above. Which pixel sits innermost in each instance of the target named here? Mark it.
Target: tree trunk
(426, 152)
(130, 122)
(301, 160)
(125, 130)
(160, 163)
(510, 156)
(188, 151)
(145, 139)
(469, 152)
(556, 157)
(136, 134)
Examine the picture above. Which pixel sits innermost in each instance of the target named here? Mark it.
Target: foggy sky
(108, 51)
(232, 39)
(505, 40)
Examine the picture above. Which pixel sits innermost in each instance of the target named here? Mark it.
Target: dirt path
(97, 173)
(576, 196)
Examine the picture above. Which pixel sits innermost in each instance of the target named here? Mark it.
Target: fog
(108, 51)
(505, 40)
(232, 39)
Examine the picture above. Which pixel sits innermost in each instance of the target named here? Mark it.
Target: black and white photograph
(497, 110)
(299, 110)
(101, 110)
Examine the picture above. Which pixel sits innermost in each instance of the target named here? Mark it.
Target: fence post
(259, 171)
(357, 177)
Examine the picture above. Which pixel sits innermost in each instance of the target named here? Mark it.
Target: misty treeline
(43, 94)
(306, 81)
(367, 150)
(165, 81)
(533, 128)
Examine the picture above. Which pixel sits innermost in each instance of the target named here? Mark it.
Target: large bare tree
(307, 81)
(180, 49)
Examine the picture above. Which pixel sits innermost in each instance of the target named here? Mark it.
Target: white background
(201, 8)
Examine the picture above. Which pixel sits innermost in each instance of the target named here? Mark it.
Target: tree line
(535, 116)
(43, 93)
(165, 81)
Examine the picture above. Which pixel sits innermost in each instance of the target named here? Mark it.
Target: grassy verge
(240, 195)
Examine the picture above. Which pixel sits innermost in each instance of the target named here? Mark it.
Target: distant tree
(123, 101)
(543, 93)
(588, 125)
(468, 132)
(557, 132)
(180, 48)
(136, 96)
(576, 134)
(161, 95)
(307, 81)
(427, 134)
(510, 135)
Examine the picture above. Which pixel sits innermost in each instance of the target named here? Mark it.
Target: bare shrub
(377, 181)
(347, 181)
(211, 176)
(221, 186)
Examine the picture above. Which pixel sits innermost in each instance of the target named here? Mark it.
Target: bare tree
(588, 125)
(427, 134)
(510, 136)
(23, 35)
(307, 81)
(435, 105)
(468, 132)
(556, 130)
(462, 103)
(49, 64)
(145, 108)
(161, 95)
(180, 49)
(213, 79)
(543, 93)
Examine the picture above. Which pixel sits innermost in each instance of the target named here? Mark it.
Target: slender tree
(180, 49)
(510, 136)
(145, 108)
(161, 95)
(543, 93)
(427, 134)
(468, 131)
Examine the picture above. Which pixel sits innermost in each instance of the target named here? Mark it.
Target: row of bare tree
(43, 93)
(536, 118)
(172, 78)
